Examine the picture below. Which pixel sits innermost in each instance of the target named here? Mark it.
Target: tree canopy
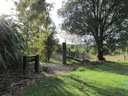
(103, 19)
(33, 15)
(34, 19)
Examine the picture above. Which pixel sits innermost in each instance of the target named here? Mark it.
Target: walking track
(59, 69)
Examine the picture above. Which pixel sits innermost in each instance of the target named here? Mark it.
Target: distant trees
(105, 20)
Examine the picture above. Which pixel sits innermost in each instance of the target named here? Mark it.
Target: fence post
(69, 52)
(37, 63)
(64, 53)
(25, 65)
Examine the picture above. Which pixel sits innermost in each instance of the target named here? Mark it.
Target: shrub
(11, 44)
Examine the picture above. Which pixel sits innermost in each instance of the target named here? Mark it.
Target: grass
(109, 79)
(70, 61)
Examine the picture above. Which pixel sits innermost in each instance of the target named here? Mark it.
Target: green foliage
(36, 22)
(33, 17)
(50, 45)
(76, 47)
(93, 50)
(105, 20)
(82, 48)
(11, 44)
(46, 45)
(81, 69)
(101, 80)
(33, 13)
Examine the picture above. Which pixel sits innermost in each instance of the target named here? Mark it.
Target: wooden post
(64, 53)
(126, 53)
(69, 52)
(37, 63)
(25, 65)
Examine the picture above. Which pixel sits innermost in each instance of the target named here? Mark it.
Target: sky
(57, 5)
(5, 6)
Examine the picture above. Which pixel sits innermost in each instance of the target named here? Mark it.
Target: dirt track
(58, 69)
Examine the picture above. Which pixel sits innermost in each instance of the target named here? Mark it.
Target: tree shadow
(54, 86)
(112, 67)
(98, 90)
(51, 86)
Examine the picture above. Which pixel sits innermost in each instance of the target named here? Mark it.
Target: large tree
(103, 19)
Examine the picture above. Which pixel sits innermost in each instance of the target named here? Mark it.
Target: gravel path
(59, 69)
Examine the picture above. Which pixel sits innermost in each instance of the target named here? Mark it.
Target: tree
(103, 19)
(46, 44)
(50, 45)
(33, 17)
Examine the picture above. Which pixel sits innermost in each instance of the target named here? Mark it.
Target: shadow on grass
(98, 90)
(112, 67)
(70, 86)
(51, 86)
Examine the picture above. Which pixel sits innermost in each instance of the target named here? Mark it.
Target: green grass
(109, 79)
(70, 61)
(123, 61)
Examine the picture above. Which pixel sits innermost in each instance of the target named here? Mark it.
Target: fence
(76, 54)
(26, 60)
(72, 55)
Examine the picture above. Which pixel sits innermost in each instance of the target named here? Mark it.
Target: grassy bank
(109, 79)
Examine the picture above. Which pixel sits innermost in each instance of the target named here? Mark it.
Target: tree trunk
(100, 52)
(48, 57)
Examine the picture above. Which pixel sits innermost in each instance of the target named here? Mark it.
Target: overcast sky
(5, 6)
(57, 5)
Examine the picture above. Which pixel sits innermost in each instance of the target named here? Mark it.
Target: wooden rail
(26, 60)
(71, 55)
(74, 59)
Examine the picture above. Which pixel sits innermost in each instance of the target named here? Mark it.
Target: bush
(11, 44)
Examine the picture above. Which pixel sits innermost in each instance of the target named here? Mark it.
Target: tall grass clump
(11, 45)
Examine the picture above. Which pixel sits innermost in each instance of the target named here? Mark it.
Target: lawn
(108, 79)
